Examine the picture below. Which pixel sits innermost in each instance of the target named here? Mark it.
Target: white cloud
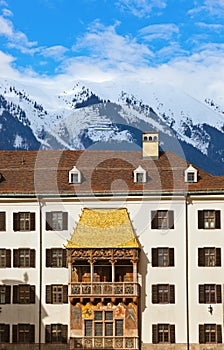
(16, 39)
(170, 51)
(159, 31)
(56, 52)
(102, 54)
(210, 26)
(85, 68)
(7, 13)
(6, 69)
(105, 45)
(209, 7)
(6, 27)
(3, 3)
(141, 8)
(215, 7)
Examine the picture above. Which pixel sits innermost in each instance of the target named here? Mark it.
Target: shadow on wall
(22, 315)
(143, 265)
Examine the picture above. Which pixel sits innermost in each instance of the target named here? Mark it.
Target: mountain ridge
(107, 116)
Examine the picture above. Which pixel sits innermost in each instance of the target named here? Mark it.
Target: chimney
(150, 145)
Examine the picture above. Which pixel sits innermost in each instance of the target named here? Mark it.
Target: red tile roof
(103, 172)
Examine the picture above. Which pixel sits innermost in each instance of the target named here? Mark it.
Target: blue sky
(101, 39)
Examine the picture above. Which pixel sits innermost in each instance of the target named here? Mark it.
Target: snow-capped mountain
(112, 115)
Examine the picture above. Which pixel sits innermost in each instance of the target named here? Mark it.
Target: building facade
(110, 249)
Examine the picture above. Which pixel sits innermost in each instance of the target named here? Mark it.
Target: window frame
(169, 254)
(53, 258)
(24, 258)
(24, 294)
(5, 294)
(205, 219)
(163, 329)
(49, 221)
(105, 326)
(2, 221)
(139, 175)
(54, 296)
(192, 171)
(210, 330)
(167, 291)
(209, 257)
(61, 329)
(74, 176)
(24, 221)
(5, 258)
(190, 176)
(74, 179)
(4, 333)
(210, 293)
(162, 219)
(23, 333)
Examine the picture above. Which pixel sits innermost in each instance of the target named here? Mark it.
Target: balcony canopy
(103, 228)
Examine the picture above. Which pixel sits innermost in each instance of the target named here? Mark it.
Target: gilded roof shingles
(108, 228)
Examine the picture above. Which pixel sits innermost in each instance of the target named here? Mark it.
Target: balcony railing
(105, 343)
(104, 289)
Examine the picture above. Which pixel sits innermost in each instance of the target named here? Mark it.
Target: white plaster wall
(155, 313)
(15, 313)
(139, 210)
(204, 275)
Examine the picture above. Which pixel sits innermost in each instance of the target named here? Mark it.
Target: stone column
(91, 270)
(113, 270)
(135, 272)
(69, 273)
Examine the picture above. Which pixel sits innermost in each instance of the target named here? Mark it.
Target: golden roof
(103, 228)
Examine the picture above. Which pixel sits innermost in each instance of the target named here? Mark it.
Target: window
(103, 324)
(56, 221)
(24, 257)
(24, 221)
(2, 221)
(4, 333)
(162, 219)
(210, 333)
(163, 333)
(163, 294)
(74, 176)
(56, 333)
(5, 258)
(88, 328)
(5, 294)
(56, 257)
(23, 333)
(210, 293)
(119, 326)
(209, 219)
(24, 294)
(209, 257)
(162, 257)
(139, 175)
(191, 174)
(57, 294)
(190, 177)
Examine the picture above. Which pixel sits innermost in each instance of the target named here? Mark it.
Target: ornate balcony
(105, 343)
(104, 289)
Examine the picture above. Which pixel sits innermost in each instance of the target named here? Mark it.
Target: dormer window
(190, 177)
(139, 175)
(191, 174)
(74, 176)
